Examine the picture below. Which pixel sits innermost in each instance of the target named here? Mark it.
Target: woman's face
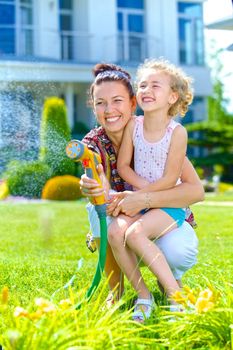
(113, 106)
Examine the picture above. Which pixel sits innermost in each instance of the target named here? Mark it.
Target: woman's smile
(112, 119)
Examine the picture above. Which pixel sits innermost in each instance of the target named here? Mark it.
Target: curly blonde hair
(180, 83)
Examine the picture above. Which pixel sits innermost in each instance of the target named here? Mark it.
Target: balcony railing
(75, 46)
(132, 47)
(81, 47)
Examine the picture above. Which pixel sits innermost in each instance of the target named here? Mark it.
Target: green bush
(225, 187)
(80, 128)
(55, 134)
(62, 188)
(27, 179)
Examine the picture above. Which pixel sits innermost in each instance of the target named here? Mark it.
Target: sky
(215, 10)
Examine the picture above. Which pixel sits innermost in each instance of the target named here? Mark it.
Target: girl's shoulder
(133, 123)
(173, 124)
(139, 118)
(177, 130)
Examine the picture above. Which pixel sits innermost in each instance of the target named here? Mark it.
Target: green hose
(102, 256)
(101, 211)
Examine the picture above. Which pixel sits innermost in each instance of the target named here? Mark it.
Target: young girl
(159, 147)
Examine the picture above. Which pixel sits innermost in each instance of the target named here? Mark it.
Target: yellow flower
(41, 302)
(5, 295)
(207, 294)
(191, 298)
(179, 298)
(187, 290)
(45, 305)
(36, 315)
(203, 305)
(20, 312)
(65, 304)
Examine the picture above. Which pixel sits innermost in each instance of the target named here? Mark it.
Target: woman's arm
(188, 192)
(124, 159)
(174, 162)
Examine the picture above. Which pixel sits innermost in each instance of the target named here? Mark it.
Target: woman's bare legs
(113, 272)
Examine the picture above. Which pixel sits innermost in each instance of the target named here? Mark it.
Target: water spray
(78, 151)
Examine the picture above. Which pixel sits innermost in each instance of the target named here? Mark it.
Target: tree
(215, 134)
(55, 134)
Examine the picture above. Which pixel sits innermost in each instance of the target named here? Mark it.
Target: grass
(224, 196)
(41, 245)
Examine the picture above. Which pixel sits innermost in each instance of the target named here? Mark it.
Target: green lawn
(41, 244)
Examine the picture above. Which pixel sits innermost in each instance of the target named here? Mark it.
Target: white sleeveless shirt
(150, 157)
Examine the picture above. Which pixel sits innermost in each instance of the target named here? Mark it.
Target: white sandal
(141, 315)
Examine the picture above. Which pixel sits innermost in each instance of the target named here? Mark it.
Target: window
(131, 28)
(16, 30)
(136, 4)
(26, 29)
(191, 38)
(7, 27)
(66, 27)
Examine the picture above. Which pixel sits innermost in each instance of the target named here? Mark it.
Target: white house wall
(103, 25)
(47, 26)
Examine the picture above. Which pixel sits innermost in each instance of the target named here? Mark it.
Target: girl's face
(154, 91)
(113, 106)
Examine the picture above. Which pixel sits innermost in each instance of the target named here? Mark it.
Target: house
(48, 47)
(223, 24)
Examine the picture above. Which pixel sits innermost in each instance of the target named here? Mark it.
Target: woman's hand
(91, 188)
(131, 203)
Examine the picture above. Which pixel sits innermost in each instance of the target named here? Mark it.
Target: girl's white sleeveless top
(150, 157)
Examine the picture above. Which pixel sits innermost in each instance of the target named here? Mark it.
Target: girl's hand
(91, 188)
(114, 200)
(131, 204)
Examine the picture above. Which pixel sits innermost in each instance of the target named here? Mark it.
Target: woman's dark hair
(110, 72)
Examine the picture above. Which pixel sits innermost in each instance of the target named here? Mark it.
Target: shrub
(80, 128)
(62, 188)
(4, 190)
(55, 134)
(225, 187)
(27, 179)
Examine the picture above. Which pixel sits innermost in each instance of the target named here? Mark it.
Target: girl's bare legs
(124, 256)
(151, 225)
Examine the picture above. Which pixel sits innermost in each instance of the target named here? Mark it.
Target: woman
(113, 102)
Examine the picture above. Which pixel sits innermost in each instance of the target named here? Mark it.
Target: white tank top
(150, 157)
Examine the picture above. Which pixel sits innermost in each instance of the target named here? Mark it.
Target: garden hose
(78, 151)
(102, 250)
